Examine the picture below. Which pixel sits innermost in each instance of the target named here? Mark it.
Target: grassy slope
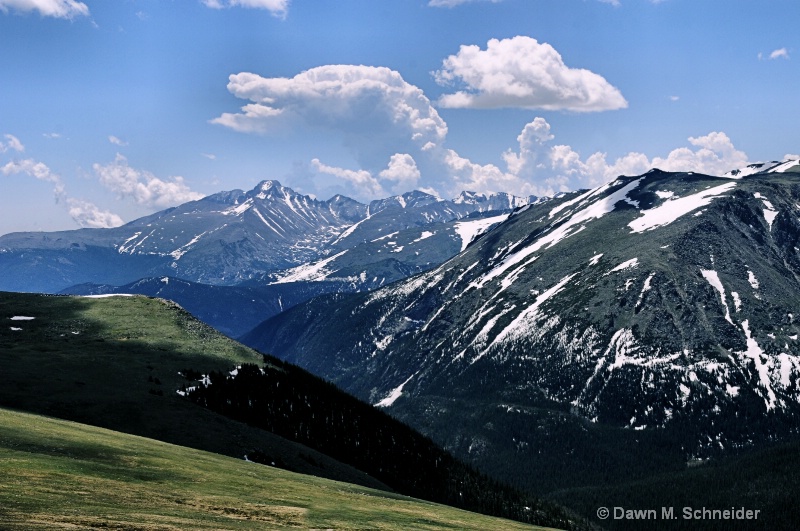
(56, 474)
(92, 361)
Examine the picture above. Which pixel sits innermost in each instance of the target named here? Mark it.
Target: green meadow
(57, 474)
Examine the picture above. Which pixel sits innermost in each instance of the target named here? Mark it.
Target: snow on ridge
(769, 211)
(469, 230)
(787, 166)
(755, 353)
(180, 251)
(645, 288)
(633, 262)
(595, 210)
(751, 278)
(712, 278)
(522, 324)
(385, 237)
(596, 258)
(672, 209)
(350, 230)
(394, 394)
(313, 272)
(750, 169)
(425, 235)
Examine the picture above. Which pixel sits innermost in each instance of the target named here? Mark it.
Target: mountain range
(630, 329)
(613, 343)
(236, 258)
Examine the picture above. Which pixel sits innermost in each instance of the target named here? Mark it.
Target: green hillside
(114, 363)
(121, 363)
(56, 474)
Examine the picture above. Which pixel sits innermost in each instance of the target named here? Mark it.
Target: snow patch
(769, 211)
(712, 278)
(633, 262)
(22, 318)
(595, 259)
(313, 272)
(424, 236)
(523, 323)
(737, 301)
(755, 353)
(673, 209)
(394, 394)
(182, 250)
(751, 278)
(469, 230)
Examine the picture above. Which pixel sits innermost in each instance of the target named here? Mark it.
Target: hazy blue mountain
(232, 237)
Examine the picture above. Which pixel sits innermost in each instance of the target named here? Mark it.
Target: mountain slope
(628, 329)
(125, 363)
(59, 474)
(115, 362)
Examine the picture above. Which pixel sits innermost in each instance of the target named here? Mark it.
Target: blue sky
(110, 110)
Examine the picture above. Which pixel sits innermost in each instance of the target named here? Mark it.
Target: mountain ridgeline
(232, 237)
(598, 338)
(237, 258)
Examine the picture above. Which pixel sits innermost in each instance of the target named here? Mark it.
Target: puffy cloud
(278, 8)
(37, 170)
(68, 9)
(361, 180)
(142, 186)
(790, 156)
(84, 213)
(521, 72)
(540, 167)
(11, 143)
(116, 141)
(716, 156)
(376, 110)
(483, 178)
(780, 53)
(403, 171)
(87, 214)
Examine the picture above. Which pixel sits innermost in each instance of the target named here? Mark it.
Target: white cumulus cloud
(11, 143)
(37, 170)
(540, 167)
(84, 213)
(68, 9)
(524, 73)
(361, 180)
(87, 214)
(278, 8)
(402, 171)
(374, 108)
(779, 53)
(142, 186)
(116, 141)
